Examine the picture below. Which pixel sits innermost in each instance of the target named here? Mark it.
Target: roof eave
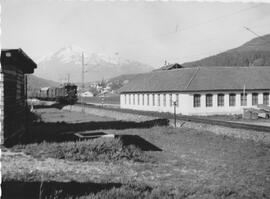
(19, 59)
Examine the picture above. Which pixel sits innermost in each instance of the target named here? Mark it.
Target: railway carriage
(66, 93)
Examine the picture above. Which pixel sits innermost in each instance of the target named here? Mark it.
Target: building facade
(15, 64)
(199, 91)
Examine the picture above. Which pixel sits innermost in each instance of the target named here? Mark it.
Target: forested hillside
(253, 53)
(37, 82)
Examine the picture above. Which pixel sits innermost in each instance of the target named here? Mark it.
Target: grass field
(56, 115)
(192, 164)
(204, 162)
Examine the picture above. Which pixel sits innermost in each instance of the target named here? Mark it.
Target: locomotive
(65, 93)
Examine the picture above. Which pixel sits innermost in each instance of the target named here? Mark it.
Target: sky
(148, 32)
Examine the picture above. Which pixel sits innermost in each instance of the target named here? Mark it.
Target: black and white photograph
(123, 99)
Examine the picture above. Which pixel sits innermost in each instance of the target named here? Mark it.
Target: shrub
(128, 191)
(101, 149)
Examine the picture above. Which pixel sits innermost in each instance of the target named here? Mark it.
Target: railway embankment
(250, 134)
(109, 113)
(258, 136)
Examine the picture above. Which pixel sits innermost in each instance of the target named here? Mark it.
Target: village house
(198, 90)
(86, 94)
(15, 64)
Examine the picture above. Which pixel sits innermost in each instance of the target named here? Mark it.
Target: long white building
(198, 91)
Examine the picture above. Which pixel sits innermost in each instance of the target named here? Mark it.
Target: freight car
(66, 93)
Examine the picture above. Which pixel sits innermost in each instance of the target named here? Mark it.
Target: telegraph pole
(174, 112)
(82, 88)
(68, 78)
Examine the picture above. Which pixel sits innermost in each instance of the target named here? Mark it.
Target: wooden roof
(19, 59)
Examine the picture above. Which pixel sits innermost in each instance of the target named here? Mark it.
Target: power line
(178, 29)
(259, 36)
(221, 17)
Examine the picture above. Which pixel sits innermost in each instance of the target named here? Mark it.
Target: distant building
(13, 93)
(87, 94)
(198, 91)
(170, 67)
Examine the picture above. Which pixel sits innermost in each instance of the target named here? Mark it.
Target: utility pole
(174, 112)
(82, 88)
(61, 80)
(68, 78)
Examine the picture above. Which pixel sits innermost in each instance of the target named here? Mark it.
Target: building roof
(19, 59)
(170, 67)
(201, 79)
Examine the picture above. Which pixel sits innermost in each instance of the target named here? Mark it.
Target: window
(153, 99)
(138, 99)
(243, 99)
(129, 99)
(254, 98)
(177, 100)
(164, 99)
(209, 100)
(143, 99)
(8, 54)
(220, 99)
(266, 98)
(171, 102)
(147, 99)
(232, 99)
(158, 99)
(197, 100)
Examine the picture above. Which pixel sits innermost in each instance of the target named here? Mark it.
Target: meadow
(189, 163)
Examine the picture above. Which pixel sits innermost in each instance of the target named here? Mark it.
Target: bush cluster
(101, 149)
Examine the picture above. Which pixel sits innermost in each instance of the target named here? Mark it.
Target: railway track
(195, 119)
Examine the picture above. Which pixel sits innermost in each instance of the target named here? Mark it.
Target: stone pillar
(249, 99)
(215, 100)
(238, 100)
(203, 100)
(260, 98)
(226, 100)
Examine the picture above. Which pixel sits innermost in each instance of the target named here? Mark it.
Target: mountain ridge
(68, 60)
(255, 52)
(34, 82)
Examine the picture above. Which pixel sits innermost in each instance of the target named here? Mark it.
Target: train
(65, 93)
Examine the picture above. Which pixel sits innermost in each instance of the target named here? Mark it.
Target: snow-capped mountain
(68, 60)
